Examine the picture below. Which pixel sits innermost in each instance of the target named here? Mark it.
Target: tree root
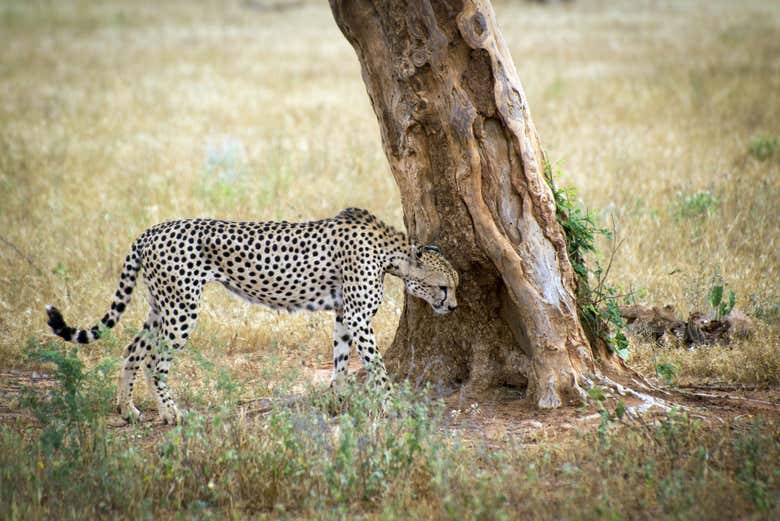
(641, 381)
(710, 396)
(647, 401)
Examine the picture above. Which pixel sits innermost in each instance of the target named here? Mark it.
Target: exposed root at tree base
(647, 401)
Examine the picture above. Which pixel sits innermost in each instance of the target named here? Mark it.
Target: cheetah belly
(313, 287)
(320, 299)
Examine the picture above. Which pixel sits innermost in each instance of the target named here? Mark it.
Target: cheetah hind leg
(157, 366)
(134, 356)
(174, 333)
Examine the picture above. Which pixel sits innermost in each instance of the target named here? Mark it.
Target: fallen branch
(669, 391)
(267, 404)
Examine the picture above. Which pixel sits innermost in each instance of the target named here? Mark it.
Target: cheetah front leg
(359, 326)
(342, 345)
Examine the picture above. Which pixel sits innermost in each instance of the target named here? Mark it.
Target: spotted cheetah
(333, 264)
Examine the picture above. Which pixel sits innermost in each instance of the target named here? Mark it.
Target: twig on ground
(710, 396)
(723, 387)
(266, 404)
(21, 254)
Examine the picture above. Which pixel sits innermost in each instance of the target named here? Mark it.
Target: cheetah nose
(452, 308)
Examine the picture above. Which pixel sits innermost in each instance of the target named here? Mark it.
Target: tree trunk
(457, 131)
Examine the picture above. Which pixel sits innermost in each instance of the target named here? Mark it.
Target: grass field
(115, 116)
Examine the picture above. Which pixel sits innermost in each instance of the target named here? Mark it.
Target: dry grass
(115, 116)
(750, 363)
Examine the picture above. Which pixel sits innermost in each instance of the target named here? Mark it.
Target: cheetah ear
(412, 267)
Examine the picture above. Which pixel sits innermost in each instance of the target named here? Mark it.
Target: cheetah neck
(397, 251)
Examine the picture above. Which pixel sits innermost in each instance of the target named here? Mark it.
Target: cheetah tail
(122, 297)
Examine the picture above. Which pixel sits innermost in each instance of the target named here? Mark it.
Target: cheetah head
(432, 278)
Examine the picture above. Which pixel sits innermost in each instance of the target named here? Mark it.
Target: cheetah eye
(443, 288)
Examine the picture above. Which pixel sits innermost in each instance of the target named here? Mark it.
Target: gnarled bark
(457, 131)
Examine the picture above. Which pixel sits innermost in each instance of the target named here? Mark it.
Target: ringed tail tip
(61, 329)
(70, 334)
(55, 320)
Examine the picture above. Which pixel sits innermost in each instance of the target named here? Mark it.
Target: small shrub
(720, 306)
(667, 371)
(764, 309)
(80, 400)
(61, 271)
(608, 418)
(692, 206)
(764, 147)
(597, 300)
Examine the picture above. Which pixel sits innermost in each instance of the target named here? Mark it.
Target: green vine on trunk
(597, 301)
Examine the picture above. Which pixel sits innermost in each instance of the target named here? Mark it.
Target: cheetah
(336, 264)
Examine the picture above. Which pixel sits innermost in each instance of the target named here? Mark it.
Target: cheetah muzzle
(336, 264)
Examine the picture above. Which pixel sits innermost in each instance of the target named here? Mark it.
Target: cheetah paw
(170, 415)
(128, 412)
